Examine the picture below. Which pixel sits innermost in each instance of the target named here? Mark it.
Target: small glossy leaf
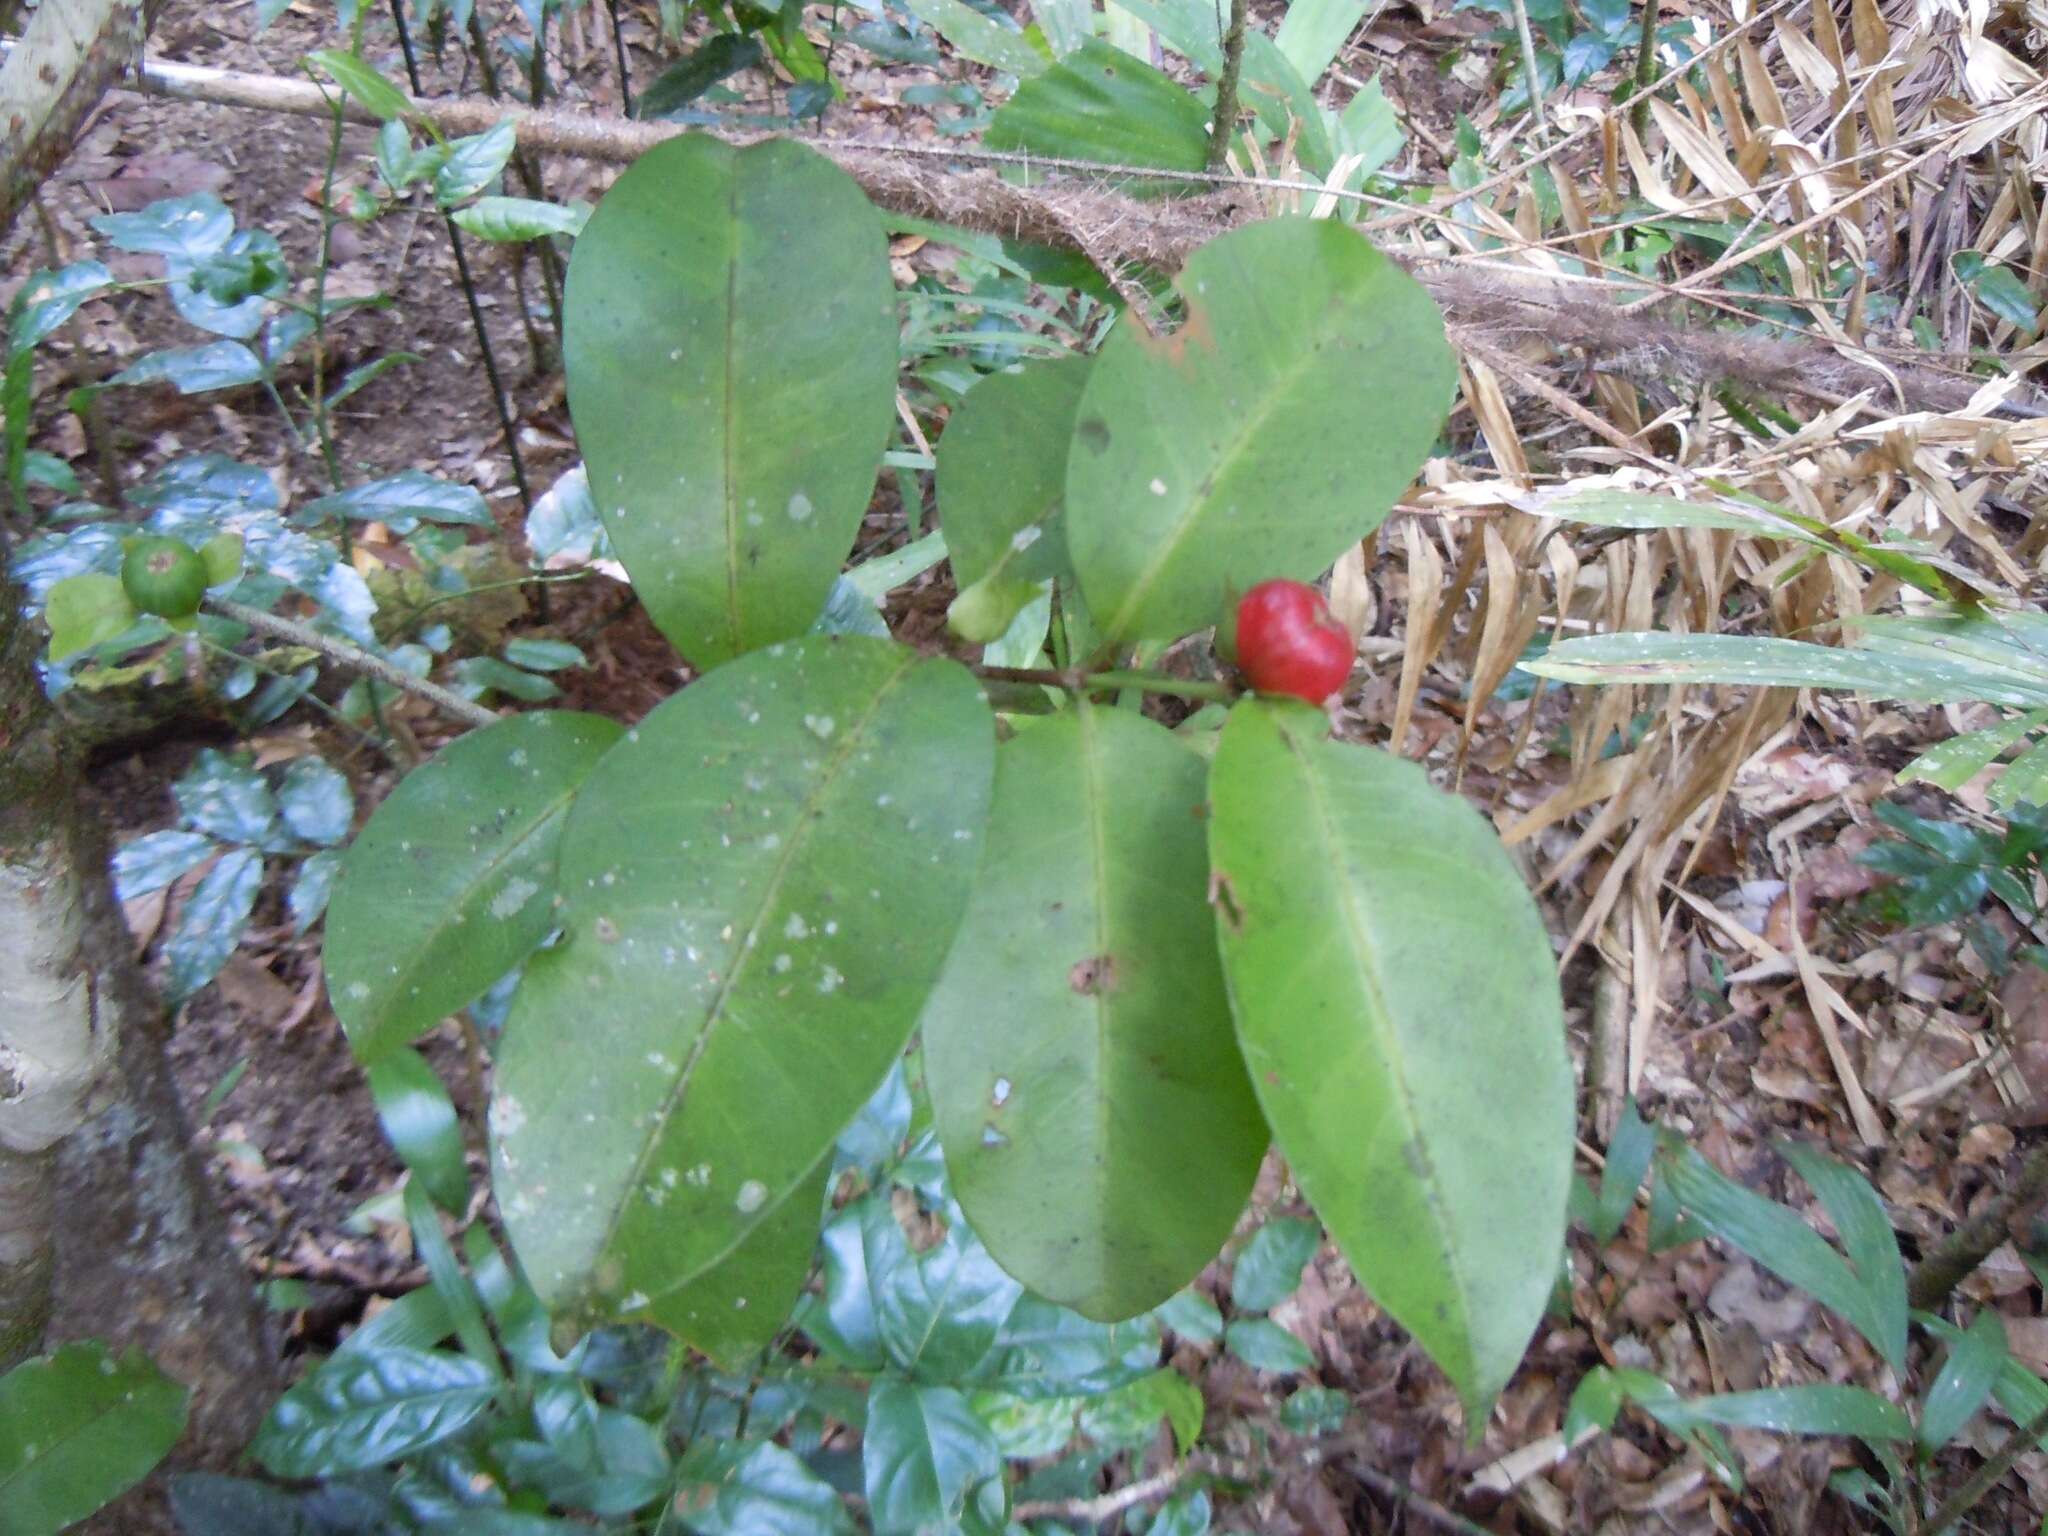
(362, 1408)
(192, 228)
(78, 1427)
(361, 80)
(307, 899)
(1045, 1350)
(544, 655)
(1002, 473)
(937, 1314)
(1968, 1372)
(1273, 429)
(1128, 1417)
(1191, 1315)
(402, 500)
(194, 370)
(478, 677)
(451, 883)
(1397, 1099)
(316, 802)
(49, 298)
(1265, 1346)
(1315, 1411)
(224, 796)
(921, 1456)
(1997, 288)
(507, 219)
(85, 611)
(758, 888)
(473, 163)
(152, 862)
(1269, 1267)
(730, 343)
(1081, 1011)
(1099, 103)
(210, 923)
(772, 1493)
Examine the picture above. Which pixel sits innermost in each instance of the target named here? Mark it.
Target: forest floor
(1724, 967)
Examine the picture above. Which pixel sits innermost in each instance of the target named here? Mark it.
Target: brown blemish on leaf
(1196, 330)
(1224, 899)
(1094, 976)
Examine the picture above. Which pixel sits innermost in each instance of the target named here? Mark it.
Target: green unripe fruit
(165, 577)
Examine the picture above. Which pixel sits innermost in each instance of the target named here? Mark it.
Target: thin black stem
(625, 74)
(522, 162)
(1224, 127)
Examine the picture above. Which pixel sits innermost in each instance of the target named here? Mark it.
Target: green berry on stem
(163, 576)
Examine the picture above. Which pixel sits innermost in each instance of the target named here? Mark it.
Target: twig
(1105, 1506)
(1223, 126)
(1964, 1499)
(353, 657)
(625, 75)
(1950, 1261)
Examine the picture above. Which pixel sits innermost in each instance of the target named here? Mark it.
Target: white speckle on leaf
(633, 1302)
(830, 981)
(783, 963)
(698, 1177)
(752, 1196)
(507, 1117)
(799, 508)
(1158, 487)
(820, 726)
(516, 894)
(1025, 537)
(519, 757)
(796, 927)
(1001, 1095)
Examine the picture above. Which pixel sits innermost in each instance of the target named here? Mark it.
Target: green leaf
(1269, 1268)
(1997, 288)
(770, 1492)
(1628, 1159)
(315, 801)
(1763, 661)
(451, 883)
(1275, 428)
(544, 655)
(1264, 1345)
(1968, 1372)
(922, 1455)
(1822, 1408)
(1191, 1315)
(419, 1121)
(85, 611)
(1128, 1417)
(361, 80)
(1082, 1013)
(720, 55)
(507, 219)
(210, 924)
(1610, 507)
(402, 500)
(192, 228)
(477, 677)
(1313, 33)
(759, 886)
(1866, 1231)
(1002, 473)
(78, 1427)
(1775, 1237)
(1315, 1411)
(362, 1408)
(224, 796)
(731, 354)
(49, 298)
(975, 36)
(1339, 873)
(1101, 104)
(151, 862)
(194, 370)
(1953, 763)
(473, 163)
(2025, 782)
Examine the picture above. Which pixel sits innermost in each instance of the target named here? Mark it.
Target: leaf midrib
(1367, 967)
(745, 948)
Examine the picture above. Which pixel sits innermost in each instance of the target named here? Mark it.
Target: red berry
(1289, 642)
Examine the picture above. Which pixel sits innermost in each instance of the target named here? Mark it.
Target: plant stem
(1079, 680)
(625, 76)
(1224, 123)
(1646, 68)
(355, 658)
(1531, 75)
(1950, 1261)
(1986, 1477)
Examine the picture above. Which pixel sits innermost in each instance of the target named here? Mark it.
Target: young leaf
(975, 36)
(194, 370)
(1100, 103)
(1968, 1373)
(473, 163)
(1866, 1231)
(1953, 763)
(1002, 473)
(730, 344)
(419, 1121)
(361, 80)
(85, 611)
(759, 886)
(49, 298)
(1264, 1345)
(451, 883)
(1081, 1015)
(362, 1408)
(1822, 1408)
(77, 1428)
(1628, 1159)
(401, 500)
(1399, 1100)
(1275, 427)
(922, 1455)
(505, 219)
(316, 802)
